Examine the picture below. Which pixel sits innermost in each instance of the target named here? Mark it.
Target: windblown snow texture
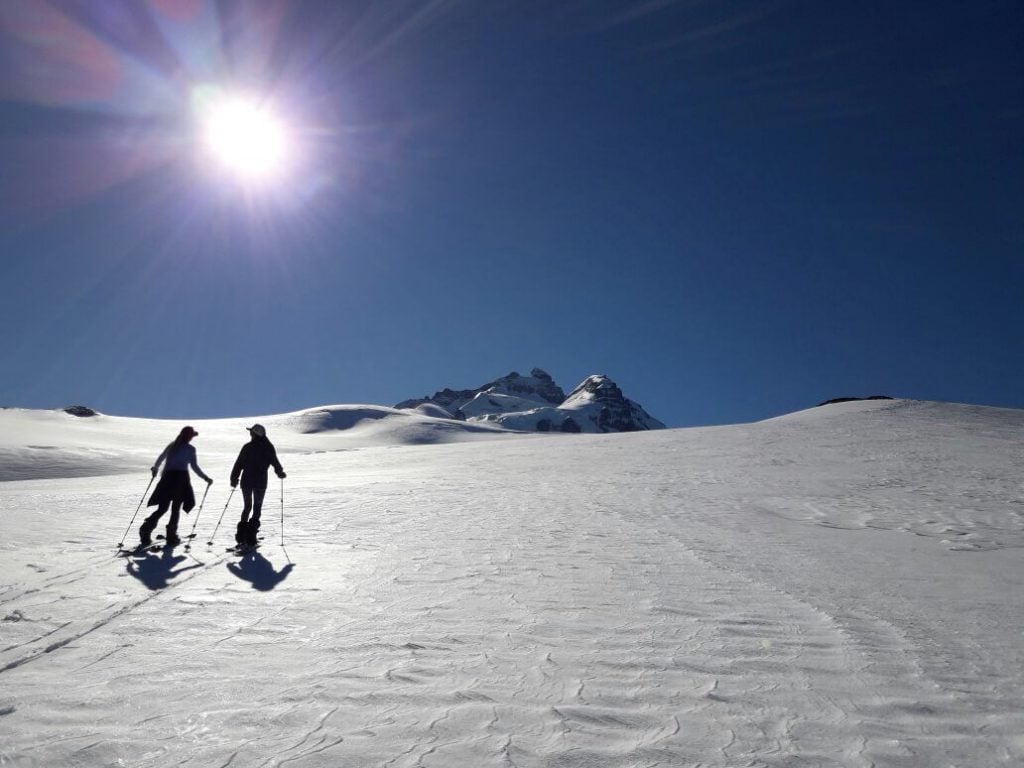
(836, 587)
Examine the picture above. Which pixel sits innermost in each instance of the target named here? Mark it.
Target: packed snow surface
(837, 587)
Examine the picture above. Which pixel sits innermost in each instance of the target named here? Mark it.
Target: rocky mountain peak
(599, 387)
(538, 385)
(537, 403)
(608, 408)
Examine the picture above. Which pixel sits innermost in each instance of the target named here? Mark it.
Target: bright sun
(242, 135)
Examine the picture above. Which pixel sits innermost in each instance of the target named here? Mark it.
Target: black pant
(249, 526)
(146, 531)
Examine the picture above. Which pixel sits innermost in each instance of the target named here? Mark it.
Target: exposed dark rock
(80, 410)
(617, 412)
(538, 386)
(852, 399)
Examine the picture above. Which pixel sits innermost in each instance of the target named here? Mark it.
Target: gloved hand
(209, 481)
(153, 470)
(282, 475)
(234, 484)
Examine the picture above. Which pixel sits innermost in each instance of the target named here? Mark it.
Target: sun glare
(242, 135)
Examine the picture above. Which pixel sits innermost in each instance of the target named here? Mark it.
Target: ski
(242, 549)
(141, 549)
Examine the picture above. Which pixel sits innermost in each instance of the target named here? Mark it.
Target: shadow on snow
(156, 571)
(255, 568)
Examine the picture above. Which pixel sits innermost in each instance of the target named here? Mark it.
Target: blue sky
(734, 209)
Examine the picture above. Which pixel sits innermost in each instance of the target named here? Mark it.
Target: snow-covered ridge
(79, 442)
(535, 403)
(41, 444)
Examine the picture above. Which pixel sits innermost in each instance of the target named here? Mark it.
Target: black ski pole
(210, 542)
(282, 526)
(130, 524)
(195, 522)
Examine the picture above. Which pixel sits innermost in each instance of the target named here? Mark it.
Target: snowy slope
(837, 587)
(486, 404)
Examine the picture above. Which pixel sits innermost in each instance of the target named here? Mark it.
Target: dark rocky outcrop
(835, 400)
(537, 386)
(80, 410)
(617, 413)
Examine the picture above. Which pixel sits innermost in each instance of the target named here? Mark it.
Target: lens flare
(242, 135)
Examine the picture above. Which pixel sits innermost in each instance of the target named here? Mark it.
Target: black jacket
(253, 461)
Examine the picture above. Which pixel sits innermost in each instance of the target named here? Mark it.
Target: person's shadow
(255, 568)
(155, 571)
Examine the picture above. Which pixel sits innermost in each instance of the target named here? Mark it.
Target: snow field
(758, 595)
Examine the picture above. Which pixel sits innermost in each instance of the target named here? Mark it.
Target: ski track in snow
(624, 601)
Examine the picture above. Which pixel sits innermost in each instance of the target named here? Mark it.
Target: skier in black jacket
(251, 466)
